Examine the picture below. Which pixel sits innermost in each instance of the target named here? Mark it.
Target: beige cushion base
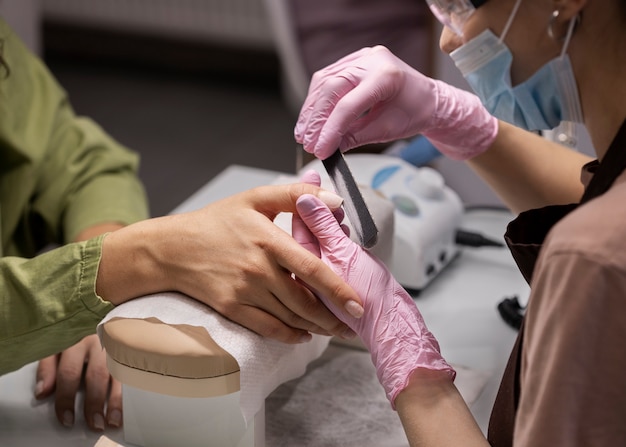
(174, 386)
(179, 360)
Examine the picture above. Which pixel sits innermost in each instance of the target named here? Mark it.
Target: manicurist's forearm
(434, 414)
(527, 171)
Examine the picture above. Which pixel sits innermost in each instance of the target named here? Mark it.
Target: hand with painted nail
(63, 374)
(82, 365)
(391, 327)
(231, 256)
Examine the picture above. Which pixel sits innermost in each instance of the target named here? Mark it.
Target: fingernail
(305, 338)
(98, 421)
(115, 418)
(354, 309)
(68, 418)
(332, 200)
(38, 388)
(349, 334)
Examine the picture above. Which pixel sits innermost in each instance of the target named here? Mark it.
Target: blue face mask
(541, 102)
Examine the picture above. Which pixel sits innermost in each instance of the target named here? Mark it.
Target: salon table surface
(459, 307)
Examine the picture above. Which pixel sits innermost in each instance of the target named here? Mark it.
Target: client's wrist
(129, 263)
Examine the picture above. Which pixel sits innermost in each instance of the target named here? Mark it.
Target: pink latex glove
(391, 327)
(371, 96)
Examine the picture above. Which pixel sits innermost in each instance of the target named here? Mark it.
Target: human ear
(568, 9)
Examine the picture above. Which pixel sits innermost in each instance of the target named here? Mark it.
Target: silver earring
(553, 17)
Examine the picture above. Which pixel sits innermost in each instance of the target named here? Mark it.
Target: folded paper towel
(264, 363)
(103, 441)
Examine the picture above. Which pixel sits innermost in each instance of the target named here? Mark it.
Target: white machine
(426, 214)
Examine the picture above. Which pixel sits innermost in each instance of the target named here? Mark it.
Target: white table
(459, 307)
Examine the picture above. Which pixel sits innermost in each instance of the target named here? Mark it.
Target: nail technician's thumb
(316, 215)
(307, 205)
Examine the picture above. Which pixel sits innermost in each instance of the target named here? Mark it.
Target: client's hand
(231, 256)
(63, 373)
(392, 327)
(82, 364)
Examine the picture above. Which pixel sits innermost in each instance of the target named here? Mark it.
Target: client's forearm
(433, 413)
(97, 230)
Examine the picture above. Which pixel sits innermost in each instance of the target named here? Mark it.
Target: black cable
(511, 312)
(500, 208)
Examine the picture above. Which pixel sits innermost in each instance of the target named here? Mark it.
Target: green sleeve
(48, 302)
(59, 169)
(59, 174)
(89, 179)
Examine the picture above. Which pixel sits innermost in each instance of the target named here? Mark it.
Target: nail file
(353, 203)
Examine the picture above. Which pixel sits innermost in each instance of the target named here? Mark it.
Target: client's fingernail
(305, 338)
(349, 334)
(115, 418)
(354, 309)
(38, 388)
(98, 421)
(68, 418)
(332, 200)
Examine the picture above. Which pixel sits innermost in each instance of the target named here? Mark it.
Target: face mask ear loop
(568, 36)
(510, 21)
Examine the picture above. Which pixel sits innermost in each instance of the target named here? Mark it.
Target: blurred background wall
(197, 85)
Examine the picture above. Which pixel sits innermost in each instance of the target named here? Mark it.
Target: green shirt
(59, 174)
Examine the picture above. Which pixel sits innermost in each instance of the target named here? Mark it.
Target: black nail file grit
(353, 202)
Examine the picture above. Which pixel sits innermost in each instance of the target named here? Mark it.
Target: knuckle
(392, 72)
(339, 293)
(273, 331)
(255, 271)
(295, 190)
(310, 307)
(338, 328)
(380, 49)
(97, 375)
(279, 331)
(350, 140)
(228, 307)
(70, 370)
(310, 266)
(318, 76)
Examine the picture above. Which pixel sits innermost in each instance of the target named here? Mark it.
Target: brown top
(573, 360)
(562, 385)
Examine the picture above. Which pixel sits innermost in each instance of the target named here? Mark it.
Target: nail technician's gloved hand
(391, 327)
(371, 96)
